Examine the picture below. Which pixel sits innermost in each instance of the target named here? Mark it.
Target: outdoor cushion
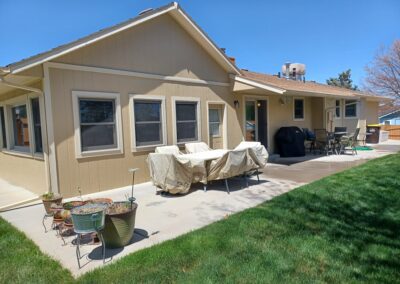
(172, 174)
(231, 164)
(173, 149)
(257, 152)
(196, 147)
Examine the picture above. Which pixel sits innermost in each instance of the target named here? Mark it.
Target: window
(37, 127)
(214, 117)
(97, 123)
(298, 109)
(3, 129)
(350, 109)
(337, 109)
(187, 120)
(148, 121)
(19, 117)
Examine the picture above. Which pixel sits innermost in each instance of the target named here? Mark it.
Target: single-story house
(389, 114)
(81, 114)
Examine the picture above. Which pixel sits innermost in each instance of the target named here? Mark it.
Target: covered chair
(257, 152)
(362, 136)
(173, 149)
(172, 174)
(349, 142)
(196, 147)
(231, 164)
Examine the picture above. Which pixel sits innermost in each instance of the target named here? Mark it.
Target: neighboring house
(389, 114)
(83, 113)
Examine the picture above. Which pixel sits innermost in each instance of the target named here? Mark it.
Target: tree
(383, 74)
(343, 80)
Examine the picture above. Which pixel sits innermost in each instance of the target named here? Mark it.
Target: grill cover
(290, 142)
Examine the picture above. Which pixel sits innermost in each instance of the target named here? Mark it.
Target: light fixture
(236, 103)
(258, 104)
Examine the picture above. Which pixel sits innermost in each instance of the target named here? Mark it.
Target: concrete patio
(161, 218)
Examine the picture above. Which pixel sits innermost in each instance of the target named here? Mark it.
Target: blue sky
(328, 36)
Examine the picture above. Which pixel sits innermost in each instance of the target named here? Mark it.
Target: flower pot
(72, 204)
(88, 218)
(48, 203)
(119, 224)
(107, 201)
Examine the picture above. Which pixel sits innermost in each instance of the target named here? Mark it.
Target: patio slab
(161, 218)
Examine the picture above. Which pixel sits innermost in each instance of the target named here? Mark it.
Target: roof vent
(146, 11)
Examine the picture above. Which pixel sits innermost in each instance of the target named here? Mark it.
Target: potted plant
(51, 199)
(119, 224)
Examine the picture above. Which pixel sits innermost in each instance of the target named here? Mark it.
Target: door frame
(224, 122)
(254, 98)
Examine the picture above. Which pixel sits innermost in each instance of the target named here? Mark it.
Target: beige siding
(159, 46)
(24, 172)
(371, 115)
(107, 172)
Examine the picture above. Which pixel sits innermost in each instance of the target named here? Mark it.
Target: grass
(343, 228)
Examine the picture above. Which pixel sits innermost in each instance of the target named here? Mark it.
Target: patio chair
(323, 141)
(309, 142)
(196, 147)
(233, 163)
(170, 173)
(173, 149)
(257, 152)
(349, 142)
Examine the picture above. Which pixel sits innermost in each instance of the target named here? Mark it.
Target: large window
(97, 123)
(37, 127)
(19, 118)
(338, 112)
(350, 108)
(148, 121)
(298, 109)
(187, 120)
(214, 121)
(3, 129)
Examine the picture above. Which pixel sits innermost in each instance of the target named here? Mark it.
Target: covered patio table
(199, 161)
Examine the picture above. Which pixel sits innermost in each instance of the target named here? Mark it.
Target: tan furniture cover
(362, 135)
(231, 164)
(257, 151)
(172, 174)
(196, 147)
(168, 150)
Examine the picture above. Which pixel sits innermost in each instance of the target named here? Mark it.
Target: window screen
(37, 128)
(298, 109)
(20, 126)
(3, 127)
(186, 121)
(350, 108)
(337, 108)
(148, 122)
(214, 122)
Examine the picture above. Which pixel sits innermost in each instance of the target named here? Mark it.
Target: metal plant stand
(133, 171)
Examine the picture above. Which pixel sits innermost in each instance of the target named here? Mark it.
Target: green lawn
(343, 228)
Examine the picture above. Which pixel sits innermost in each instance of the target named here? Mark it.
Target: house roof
(305, 87)
(387, 109)
(173, 9)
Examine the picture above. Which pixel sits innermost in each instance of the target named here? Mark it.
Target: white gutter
(18, 86)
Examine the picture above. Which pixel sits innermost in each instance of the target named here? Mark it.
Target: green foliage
(343, 80)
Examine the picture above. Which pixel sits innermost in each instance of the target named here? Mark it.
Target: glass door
(256, 122)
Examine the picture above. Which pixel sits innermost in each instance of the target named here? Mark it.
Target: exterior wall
(26, 172)
(279, 115)
(372, 110)
(159, 46)
(107, 172)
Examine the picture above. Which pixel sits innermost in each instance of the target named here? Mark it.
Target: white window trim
(340, 109)
(304, 108)
(133, 97)
(76, 95)
(224, 122)
(19, 150)
(185, 99)
(357, 110)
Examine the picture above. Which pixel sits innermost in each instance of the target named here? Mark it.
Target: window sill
(23, 154)
(146, 148)
(351, 117)
(99, 153)
(298, 119)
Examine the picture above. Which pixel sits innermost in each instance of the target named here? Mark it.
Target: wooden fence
(394, 131)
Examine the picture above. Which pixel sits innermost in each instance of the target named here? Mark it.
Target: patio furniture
(324, 141)
(339, 131)
(349, 141)
(309, 139)
(196, 147)
(257, 152)
(88, 219)
(362, 136)
(171, 173)
(172, 149)
(231, 164)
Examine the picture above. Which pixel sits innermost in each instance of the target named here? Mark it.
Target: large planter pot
(119, 227)
(88, 218)
(48, 203)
